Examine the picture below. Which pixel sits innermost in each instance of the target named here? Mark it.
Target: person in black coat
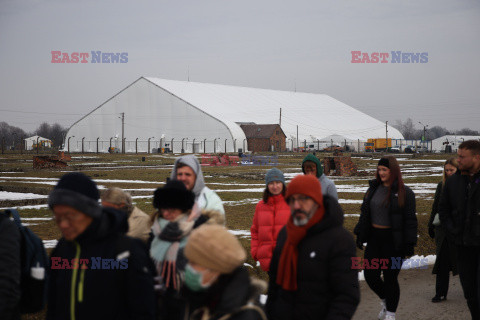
(310, 273)
(445, 250)
(460, 213)
(388, 224)
(97, 271)
(217, 285)
(9, 269)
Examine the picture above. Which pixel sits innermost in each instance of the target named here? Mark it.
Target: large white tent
(202, 117)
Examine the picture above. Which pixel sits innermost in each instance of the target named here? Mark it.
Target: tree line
(407, 128)
(13, 135)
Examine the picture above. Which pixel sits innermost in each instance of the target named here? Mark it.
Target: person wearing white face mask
(218, 286)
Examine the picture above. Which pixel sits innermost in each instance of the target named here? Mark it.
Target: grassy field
(421, 172)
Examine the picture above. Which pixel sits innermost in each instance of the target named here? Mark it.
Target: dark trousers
(380, 245)
(469, 272)
(443, 272)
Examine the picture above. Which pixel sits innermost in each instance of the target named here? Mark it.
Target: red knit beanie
(307, 185)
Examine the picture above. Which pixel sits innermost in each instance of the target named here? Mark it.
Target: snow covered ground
(5, 195)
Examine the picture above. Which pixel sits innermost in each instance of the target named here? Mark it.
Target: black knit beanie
(383, 162)
(78, 191)
(174, 195)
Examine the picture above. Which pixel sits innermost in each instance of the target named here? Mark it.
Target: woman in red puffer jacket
(271, 214)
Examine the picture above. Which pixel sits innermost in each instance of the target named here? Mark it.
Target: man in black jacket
(97, 271)
(9, 269)
(310, 273)
(460, 212)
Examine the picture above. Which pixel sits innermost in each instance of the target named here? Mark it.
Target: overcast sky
(281, 45)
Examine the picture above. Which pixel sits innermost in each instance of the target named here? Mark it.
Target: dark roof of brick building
(261, 131)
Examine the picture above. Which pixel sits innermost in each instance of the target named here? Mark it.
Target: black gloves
(359, 243)
(171, 232)
(408, 250)
(431, 232)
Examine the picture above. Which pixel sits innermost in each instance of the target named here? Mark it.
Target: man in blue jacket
(97, 271)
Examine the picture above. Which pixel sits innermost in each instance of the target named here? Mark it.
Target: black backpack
(33, 258)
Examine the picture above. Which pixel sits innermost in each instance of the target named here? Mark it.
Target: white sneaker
(383, 311)
(389, 317)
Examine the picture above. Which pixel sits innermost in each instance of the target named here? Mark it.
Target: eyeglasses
(70, 218)
(300, 199)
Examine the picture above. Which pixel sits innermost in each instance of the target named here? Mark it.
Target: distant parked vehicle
(409, 149)
(395, 149)
(333, 148)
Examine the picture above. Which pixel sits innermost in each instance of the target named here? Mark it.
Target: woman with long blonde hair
(445, 251)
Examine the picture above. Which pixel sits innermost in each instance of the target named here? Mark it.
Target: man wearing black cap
(97, 271)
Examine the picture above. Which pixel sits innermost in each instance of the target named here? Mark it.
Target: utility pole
(297, 139)
(280, 121)
(123, 132)
(424, 140)
(386, 135)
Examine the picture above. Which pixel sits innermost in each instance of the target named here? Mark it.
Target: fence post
(204, 145)
(97, 144)
(234, 145)
(225, 145)
(22, 144)
(136, 146)
(82, 143)
(215, 146)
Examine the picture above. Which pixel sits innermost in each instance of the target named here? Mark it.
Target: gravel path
(417, 287)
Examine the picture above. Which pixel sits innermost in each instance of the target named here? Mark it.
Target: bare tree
(13, 135)
(468, 132)
(407, 128)
(53, 132)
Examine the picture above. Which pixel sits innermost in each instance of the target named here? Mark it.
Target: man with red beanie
(310, 273)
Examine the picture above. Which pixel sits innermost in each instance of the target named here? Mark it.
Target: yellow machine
(378, 144)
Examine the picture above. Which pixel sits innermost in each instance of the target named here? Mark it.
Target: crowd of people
(182, 263)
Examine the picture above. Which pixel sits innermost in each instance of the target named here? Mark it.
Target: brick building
(264, 137)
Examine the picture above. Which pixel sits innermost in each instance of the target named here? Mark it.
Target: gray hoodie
(204, 197)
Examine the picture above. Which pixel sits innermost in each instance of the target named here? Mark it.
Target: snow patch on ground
(242, 190)
(39, 206)
(50, 243)
(241, 233)
(241, 202)
(5, 195)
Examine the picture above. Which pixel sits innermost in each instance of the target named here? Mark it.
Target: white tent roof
(34, 138)
(316, 115)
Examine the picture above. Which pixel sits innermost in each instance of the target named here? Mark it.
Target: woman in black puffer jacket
(388, 225)
(445, 249)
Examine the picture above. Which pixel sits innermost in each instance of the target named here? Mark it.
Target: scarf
(287, 266)
(170, 236)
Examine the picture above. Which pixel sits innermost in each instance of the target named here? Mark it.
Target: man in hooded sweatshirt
(97, 272)
(312, 166)
(188, 170)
